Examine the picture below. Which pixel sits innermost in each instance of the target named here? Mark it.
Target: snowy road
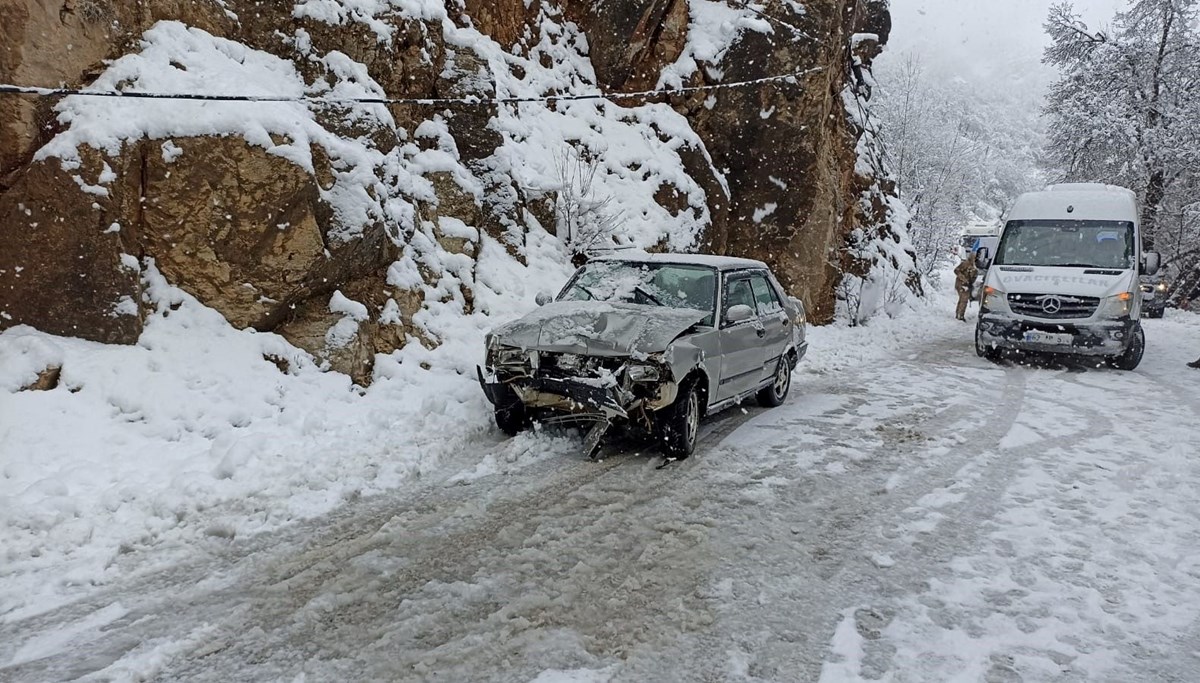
(921, 517)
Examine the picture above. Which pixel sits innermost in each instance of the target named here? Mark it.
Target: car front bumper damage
(580, 398)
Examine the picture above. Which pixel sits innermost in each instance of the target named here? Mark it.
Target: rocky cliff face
(349, 227)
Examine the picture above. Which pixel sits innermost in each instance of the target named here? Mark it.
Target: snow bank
(201, 430)
(24, 356)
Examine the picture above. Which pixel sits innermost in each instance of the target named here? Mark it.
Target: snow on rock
(175, 58)
(713, 27)
(369, 12)
(338, 303)
(878, 261)
(26, 354)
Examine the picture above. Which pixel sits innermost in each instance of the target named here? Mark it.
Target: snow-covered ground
(182, 509)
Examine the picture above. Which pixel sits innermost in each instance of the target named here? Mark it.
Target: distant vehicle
(1155, 291)
(980, 234)
(650, 342)
(1065, 277)
(986, 245)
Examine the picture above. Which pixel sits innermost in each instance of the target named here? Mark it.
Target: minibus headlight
(995, 300)
(1117, 306)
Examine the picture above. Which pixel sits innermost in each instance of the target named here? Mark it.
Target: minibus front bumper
(1090, 338)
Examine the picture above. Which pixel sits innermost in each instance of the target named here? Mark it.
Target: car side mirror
(1151, 263)
(543, 298)
(983, 258)
(739, 314)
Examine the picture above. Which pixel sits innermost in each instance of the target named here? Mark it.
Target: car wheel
(680, 422)
(511, 416)
(983, 350)
(1133, 355)
(777, 392)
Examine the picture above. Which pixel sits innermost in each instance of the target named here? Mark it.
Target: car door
(742, 351)
(777, 327)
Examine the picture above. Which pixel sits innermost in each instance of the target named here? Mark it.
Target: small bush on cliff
(586, 220)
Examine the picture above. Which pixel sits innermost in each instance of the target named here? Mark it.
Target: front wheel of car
(511, 417)
(774, 394)
(1133, 355)
(679, 424)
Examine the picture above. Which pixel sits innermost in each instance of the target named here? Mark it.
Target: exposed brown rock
(46, 42)
(632, 41)
(504, 20)
(309, 328)
(46, 380)
(245, 231)
(61, 268)
(232, 225)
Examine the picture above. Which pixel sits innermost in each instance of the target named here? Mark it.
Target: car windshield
(1068, 244)
(654, 284)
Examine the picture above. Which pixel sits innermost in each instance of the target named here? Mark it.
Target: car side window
(765, 295)
(738, 292)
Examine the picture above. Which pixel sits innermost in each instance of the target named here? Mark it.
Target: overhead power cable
(36, 91)
(794, 29)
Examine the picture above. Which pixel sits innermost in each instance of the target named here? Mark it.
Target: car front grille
(576, 365)
(1053, 306)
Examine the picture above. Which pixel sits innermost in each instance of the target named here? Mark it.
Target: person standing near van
(964, 281)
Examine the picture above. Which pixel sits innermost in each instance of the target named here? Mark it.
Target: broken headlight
(643, 373)
(509, 356)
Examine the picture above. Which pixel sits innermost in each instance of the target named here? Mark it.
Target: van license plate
(1049, 338)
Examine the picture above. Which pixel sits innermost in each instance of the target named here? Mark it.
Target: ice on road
(912, 513)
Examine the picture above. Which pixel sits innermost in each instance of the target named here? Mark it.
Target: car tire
(983, 350)
(1133, 355)
(679, 423)
(773, 395)
(511, 416)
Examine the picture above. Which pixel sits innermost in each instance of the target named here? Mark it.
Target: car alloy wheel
(679, 425)
(783, 381)
(775, 393)
(692, 418)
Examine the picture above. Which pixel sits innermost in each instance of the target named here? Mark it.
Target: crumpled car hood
(598, 328)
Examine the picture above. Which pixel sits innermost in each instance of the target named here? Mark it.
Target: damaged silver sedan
(650, 343)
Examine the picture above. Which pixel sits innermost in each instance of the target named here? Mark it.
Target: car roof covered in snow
(707, 260)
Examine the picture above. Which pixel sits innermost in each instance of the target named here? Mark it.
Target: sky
(983, 38)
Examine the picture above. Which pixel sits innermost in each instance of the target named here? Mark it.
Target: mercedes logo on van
(1051, 305)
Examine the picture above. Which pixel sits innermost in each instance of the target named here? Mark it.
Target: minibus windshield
(1067, 244)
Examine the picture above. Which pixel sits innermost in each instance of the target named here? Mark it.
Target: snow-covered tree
(1125, 110)
(961, 153)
